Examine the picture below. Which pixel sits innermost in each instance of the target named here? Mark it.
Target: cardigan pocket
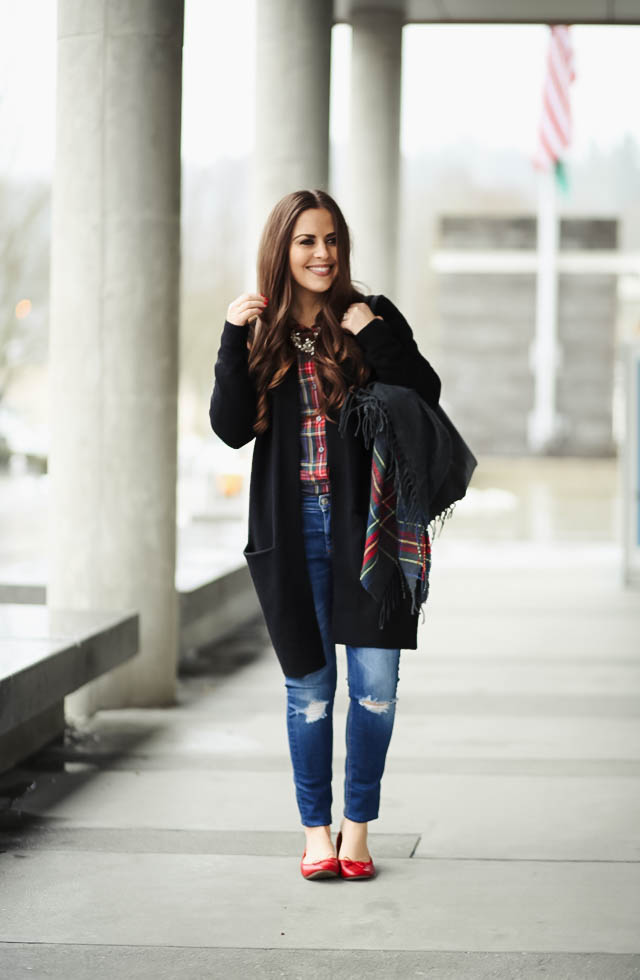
(250, 553)
(265, 581)
(257, 537)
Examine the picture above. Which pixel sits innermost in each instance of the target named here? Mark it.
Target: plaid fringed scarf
(410, 459)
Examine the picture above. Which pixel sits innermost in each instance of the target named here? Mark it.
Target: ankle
(319, 844)
(354, 829)
(318, 835)
(354, 844)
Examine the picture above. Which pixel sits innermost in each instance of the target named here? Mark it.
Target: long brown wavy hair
(339, 362)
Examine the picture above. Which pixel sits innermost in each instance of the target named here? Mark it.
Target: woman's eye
(309, 241)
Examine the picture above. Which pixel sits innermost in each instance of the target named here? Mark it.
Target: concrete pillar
(114, 331)
(374, 153)
(293, 65)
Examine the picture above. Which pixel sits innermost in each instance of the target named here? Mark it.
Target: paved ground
(167, 844)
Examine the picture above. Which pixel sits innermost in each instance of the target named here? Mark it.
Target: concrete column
(293, 64)
(114, 331)
(374, 154)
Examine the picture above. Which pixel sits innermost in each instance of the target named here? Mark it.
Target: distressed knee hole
(378, 707)
(315, 710)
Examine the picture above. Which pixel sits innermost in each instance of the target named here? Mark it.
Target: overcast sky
(480, 83)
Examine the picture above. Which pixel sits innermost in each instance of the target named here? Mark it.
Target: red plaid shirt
(314, 472)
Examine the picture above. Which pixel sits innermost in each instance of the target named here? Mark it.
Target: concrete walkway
(509, 838)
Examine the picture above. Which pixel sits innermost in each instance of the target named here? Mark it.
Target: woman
(288, 356)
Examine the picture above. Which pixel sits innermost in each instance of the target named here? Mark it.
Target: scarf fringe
(372, 419)
(444, 516)
(397, 589)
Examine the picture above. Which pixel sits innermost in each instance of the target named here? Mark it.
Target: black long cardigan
(275, 547)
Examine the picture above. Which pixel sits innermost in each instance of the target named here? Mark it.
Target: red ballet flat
(326, 868)
(354, 870)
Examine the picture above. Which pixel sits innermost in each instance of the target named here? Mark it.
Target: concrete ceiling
(499, 11)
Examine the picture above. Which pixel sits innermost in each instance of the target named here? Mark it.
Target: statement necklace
(308, 344)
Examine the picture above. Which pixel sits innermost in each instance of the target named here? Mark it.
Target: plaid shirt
(314, 472)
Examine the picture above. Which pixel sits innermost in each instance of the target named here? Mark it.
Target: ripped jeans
(372, 674)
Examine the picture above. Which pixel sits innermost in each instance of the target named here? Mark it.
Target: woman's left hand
(358, 316)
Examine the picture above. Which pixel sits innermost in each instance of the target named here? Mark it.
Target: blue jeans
(372, 674)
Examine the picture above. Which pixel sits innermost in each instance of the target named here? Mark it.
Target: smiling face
(313, 254)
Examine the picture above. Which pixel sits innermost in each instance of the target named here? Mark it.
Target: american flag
(554, 134)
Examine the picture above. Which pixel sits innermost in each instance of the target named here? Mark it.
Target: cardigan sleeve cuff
(234, 335)
(375, 335)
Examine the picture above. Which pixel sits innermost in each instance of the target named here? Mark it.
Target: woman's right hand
(246, 307)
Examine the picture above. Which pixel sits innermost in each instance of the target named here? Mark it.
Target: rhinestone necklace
(308, 344)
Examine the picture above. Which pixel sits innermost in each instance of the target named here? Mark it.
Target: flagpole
(554, 136)
(544, 349)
